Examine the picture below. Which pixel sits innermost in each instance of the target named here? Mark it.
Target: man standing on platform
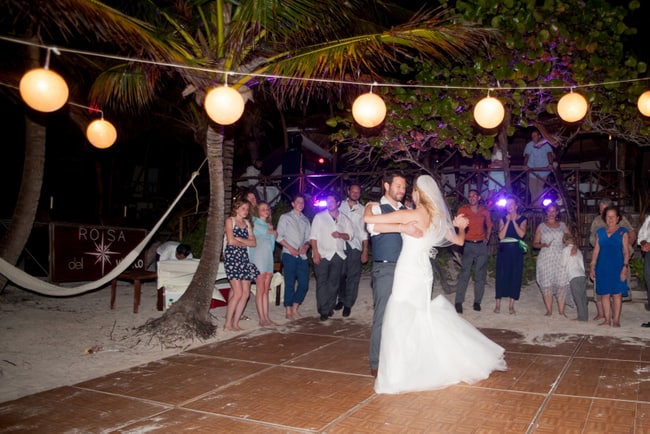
(538, 155)
(356, 250)
(475, 251)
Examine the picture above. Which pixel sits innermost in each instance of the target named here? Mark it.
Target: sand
(49, 342)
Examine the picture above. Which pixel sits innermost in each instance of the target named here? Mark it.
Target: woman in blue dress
(609, 263)
(239, 270)
(510, 256)
(262, 256)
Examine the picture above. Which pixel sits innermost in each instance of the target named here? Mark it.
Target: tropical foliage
(545, 49)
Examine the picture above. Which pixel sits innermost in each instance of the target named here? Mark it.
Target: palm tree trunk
(15, 239)
(189, 316)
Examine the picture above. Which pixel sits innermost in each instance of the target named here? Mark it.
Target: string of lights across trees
(46, 91)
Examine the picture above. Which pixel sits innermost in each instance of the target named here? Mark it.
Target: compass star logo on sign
(102, 253)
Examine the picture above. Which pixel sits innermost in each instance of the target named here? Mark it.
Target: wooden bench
(137, 277)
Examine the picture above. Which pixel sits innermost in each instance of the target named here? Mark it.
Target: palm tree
(301, 39)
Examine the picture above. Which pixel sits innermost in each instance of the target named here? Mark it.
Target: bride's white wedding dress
(425, 344)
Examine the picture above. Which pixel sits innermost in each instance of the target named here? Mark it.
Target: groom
(386, 244)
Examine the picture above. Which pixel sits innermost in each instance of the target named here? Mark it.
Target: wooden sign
(87, 253)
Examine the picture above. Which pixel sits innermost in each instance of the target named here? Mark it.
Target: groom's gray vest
(386, 247)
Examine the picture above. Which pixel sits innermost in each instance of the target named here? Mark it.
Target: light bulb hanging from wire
(101, 133)
(369, 109)
(572, 107)
(223, 104)
(489, 112)
(644, 103)
(42, 89)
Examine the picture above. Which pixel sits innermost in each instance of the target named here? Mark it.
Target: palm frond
(425, 37)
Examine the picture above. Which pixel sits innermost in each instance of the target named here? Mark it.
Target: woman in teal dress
(609, 263)
(262, 256)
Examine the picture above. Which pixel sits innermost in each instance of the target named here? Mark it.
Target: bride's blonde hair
(427, 204)
(432, 200)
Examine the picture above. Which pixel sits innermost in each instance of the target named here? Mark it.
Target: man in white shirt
(644, 242)
(330, 229)
(356, 250)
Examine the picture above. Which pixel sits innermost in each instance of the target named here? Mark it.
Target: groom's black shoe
(346, 311)
(324, 317)
(338, 306)
(477, 307)
(459, 307)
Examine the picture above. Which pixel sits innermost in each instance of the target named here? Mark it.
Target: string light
(572, 107)
(223, 104)
(101, 133)
(489, 112)
(644, 103)
(369, 110)
(570, 101)
(42, 89)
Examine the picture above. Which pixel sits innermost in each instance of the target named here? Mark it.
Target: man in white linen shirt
(330, 229)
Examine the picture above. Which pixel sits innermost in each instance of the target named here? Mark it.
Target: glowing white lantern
(224, 105)
(369, 110)
(101, 134)
(572, 107)
(43, 90)
(644, 103)
(489, 112)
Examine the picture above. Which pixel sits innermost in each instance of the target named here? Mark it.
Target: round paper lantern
(489, 112)
(644, 103)
(224, 105)
(43, 90)
(101, 134)
(369, 110)
(572, 107)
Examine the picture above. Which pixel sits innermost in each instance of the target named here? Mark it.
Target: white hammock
(24, 280)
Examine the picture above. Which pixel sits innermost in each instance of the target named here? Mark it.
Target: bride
(425, 344)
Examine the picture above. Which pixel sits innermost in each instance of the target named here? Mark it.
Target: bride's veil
(441, 224)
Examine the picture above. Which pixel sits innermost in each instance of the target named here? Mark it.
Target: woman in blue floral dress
(239, 270)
